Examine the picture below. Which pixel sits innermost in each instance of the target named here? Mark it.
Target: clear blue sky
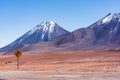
(19, 16)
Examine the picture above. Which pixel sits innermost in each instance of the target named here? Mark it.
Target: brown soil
(65, 61)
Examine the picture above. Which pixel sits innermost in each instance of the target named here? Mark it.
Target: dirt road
(37, 75)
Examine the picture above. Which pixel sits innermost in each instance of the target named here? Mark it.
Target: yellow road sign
(17, 53)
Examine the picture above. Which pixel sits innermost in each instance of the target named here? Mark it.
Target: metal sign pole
(17, 63)
(17, 53)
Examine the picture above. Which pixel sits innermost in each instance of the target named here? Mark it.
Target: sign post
(17, 53)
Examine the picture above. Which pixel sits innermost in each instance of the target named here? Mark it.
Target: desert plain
(62, 65)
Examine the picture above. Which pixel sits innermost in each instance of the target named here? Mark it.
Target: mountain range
(103, 34)
(49, 36)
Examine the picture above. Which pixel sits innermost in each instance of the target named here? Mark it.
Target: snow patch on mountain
(107, 19)
(51, 29)
(52, 25)
(48, 26)
(34, 29)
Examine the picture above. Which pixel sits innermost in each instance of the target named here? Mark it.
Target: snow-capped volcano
(103, 34)
(110, 25)
(44, 32)
(46, 27)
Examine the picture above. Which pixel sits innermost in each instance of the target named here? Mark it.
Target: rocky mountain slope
(44, 32)
(49, 36)
(103, 34)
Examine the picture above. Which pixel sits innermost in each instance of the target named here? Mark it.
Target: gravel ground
(37, 75)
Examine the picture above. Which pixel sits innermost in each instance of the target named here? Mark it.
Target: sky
(19, 16)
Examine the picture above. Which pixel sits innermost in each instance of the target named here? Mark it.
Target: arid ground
(37, 75)
(64, 62)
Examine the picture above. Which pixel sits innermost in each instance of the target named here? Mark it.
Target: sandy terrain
(37, 75)
(65, 65)
(66, 61)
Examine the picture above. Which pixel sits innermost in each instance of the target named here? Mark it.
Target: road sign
(17, 53)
